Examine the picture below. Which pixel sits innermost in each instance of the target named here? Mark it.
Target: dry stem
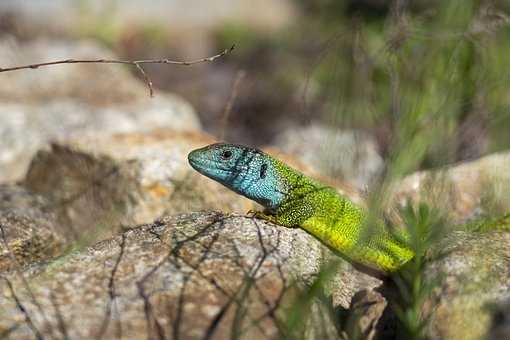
(137, 63)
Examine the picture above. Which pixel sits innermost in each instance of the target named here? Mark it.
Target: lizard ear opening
(263, 170)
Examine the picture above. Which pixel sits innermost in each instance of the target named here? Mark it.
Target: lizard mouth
(197, 160)
(205, 165)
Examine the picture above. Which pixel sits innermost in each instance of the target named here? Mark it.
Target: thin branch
(60, 319)
(137, 63)
(146, 78)
(18, 271)
(38, 335)
(112, 295)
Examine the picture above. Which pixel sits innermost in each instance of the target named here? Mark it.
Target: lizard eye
(226, 154)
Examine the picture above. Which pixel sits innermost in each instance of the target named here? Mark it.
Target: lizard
(292, 199)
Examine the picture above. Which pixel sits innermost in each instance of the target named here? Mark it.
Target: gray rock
(194, 275)
(350, 156)
(28, 232)
(90, 83)
(72, 100)
(99, 185)
(170, 15)
(500, 323)
(366, 310)
(463, 191)
(473, 273)
(26, 128)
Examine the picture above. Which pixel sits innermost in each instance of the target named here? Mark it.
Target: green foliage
(424, 227)
(423, 75)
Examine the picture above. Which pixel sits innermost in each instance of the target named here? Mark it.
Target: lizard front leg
(263, 215)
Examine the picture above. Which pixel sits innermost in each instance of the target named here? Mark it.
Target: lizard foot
(261, 215)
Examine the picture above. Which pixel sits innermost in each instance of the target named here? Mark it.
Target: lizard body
(293, 200)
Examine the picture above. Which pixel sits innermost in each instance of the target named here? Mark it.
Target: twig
(137, 63)
(17, 269)
(111, 290)
(38, 335)
(228, 108)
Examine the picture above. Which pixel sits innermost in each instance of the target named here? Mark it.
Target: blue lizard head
(245, 170)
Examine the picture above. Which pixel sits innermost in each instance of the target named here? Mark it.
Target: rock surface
(37, 106)
(101, 184)
(111, 83)
(28, 232)
(194, 276)
(364, 315)
(473, 273)
(464, 190)
(500, 324)
(180, 15)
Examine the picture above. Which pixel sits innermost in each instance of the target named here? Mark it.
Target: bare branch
(146, 78)
(18, 271)
(112, 295)
(60, 319)
(137, 63)
(38, 335)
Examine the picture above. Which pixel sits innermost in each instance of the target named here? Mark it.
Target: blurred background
(424, 82)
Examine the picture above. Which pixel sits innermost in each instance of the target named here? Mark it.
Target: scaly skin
(293, 200)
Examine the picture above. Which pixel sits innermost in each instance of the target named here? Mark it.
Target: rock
(28, 232)
(191, 276)
(176, 15)
(94, 83)
(101, 184)
(463, 191)
(500, 323)
(366, 310)
(349, 281)
(473, 274)
(70, 100)
(26, 128)
(350, 156)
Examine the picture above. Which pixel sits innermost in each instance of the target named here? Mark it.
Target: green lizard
(293, 200)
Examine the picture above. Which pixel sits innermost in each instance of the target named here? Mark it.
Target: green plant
(425, 227)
